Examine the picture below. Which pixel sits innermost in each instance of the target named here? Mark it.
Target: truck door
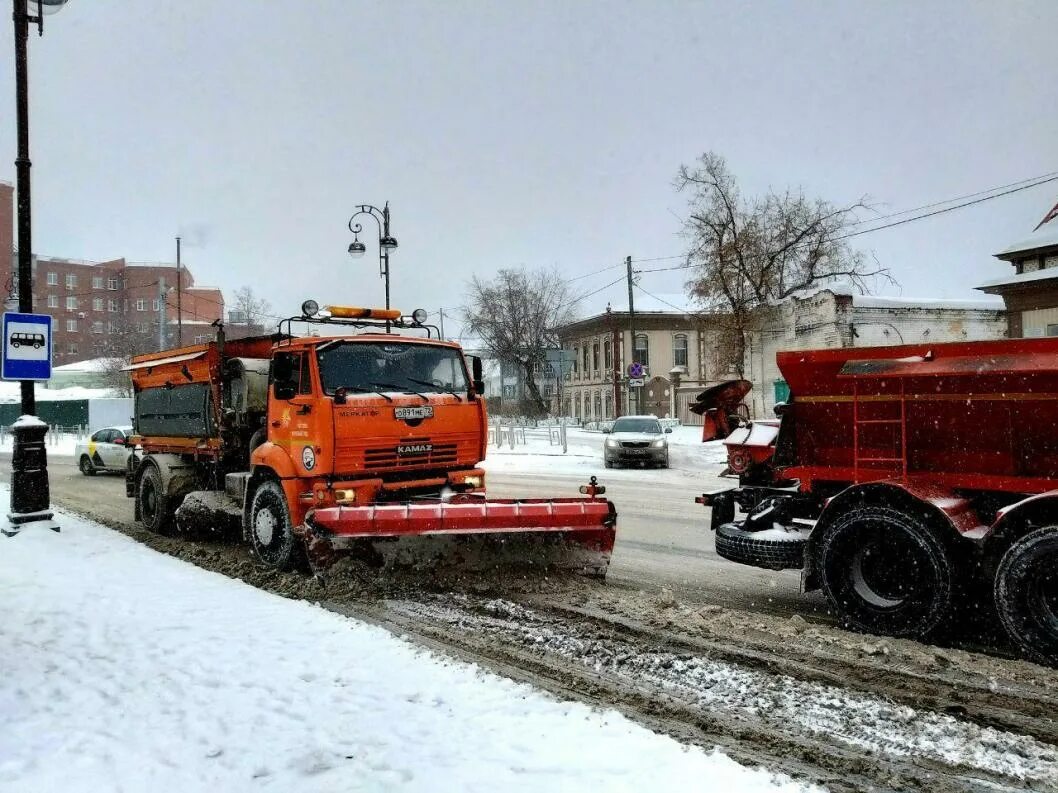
(294, 418)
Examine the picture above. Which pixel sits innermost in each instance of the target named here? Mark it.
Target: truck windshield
(386, 366)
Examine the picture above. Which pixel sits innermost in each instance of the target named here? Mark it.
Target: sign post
(26, 356)
(561, 362)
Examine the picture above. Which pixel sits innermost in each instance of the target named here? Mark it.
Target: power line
(595, 272)
(588, 294)
(682, 310)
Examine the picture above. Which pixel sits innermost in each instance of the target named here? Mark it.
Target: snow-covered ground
(56, 444)
(124, 669)
(688, 456)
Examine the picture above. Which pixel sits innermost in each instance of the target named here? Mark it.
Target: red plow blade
(568, 533)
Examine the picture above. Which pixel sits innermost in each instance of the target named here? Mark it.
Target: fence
(56, 435)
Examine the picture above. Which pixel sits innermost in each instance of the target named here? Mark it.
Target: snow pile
(129, 670)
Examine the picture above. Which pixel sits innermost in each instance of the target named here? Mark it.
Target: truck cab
(370, 418)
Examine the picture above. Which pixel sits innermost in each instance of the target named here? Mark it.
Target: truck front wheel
(884, 572)
(155, 509)
(1026, 593)
(271, 533)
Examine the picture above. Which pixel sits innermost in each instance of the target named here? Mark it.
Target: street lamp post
(30, 498)
(386, 241)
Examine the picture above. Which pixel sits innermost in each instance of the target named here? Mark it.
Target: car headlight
(659, 444)
(612, 443)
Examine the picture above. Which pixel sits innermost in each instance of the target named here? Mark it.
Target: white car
(105, 450)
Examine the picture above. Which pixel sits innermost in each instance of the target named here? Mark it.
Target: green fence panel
(67, 413)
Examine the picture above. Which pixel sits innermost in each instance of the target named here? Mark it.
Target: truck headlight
(472, 481)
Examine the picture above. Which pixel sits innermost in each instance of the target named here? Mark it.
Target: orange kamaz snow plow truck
(898, 479)
(367, 442)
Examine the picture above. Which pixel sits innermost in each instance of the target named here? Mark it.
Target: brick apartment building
(96, 305)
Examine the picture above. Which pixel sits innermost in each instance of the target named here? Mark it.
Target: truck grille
(411, 453)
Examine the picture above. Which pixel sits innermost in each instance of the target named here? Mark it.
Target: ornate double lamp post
(386, 241)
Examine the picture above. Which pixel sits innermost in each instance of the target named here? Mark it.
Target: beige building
(676, 349)
(1030, 293)
(837, 317)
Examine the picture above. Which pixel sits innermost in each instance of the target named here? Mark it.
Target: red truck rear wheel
(1026, 593)
(885, 572)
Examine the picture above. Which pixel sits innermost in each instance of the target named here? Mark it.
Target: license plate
(635, 452)
(418, 412)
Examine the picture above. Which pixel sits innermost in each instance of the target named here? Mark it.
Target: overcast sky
(540, 134)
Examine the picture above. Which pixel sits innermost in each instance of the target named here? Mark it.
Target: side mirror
(477, 375)
(119, 441)
(668, 430)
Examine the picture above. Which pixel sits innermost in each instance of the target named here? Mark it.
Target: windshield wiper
(362, 390)
(438, 387)
(402, 389)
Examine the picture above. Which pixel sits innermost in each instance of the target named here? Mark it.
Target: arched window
(607, 358)
(595, 358)
(679, 350)
(609, 405)
(641, 354)
(598, 404)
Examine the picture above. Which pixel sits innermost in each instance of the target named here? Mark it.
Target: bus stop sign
(27, 347)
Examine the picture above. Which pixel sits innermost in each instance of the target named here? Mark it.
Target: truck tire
(737, 545)
(885, 572)
(153, 503)
(1026, 594)
(270, 531)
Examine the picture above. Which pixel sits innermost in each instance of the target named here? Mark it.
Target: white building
(837, 317)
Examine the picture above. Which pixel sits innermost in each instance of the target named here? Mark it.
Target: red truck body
(899, 474)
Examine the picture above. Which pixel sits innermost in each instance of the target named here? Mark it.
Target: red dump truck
(898, 479)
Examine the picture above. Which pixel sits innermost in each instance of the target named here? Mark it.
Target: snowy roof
(1045, 236)
(1021, 278)
(91, 365)
(885, 301)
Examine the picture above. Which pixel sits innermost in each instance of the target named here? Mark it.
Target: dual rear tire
(885, 572)
(1026, 593)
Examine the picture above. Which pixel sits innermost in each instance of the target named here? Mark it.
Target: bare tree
(123, 339)
(748, 253)
(516, 315)
(248, 309)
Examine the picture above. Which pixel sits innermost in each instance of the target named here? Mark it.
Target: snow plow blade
(472, 532)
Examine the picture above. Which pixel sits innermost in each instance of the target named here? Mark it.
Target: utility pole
(632, 327)
(161, 314)
(179, 294)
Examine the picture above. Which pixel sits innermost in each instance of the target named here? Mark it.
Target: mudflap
(471, 535)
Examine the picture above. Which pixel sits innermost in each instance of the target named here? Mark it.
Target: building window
(598, 404)
(141, 304)
(112, 284)
(607, 356)
(112, 328)
(53, 301)
(53, 279)
(608, 410)
(97, 304)
(71, 326)
(1049, 262)
(71, 303)
(641, 354)
(71, 281)
(97, 282)
(112, 306)
(585, 360)
(1052, 330)
(595, 357)
(679, 350)
(573, 369)
(156, 304)
(201, 339)
(71, 348)
(97, 327)
(576, 406)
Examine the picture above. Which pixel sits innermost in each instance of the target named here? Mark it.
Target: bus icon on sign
(34, 340)
(27, 346)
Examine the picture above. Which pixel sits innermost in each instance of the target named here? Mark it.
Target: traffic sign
(560, 361)
(636, 382)
(27, 347)
(636, 370)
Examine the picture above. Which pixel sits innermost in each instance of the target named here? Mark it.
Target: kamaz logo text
(414, 449)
